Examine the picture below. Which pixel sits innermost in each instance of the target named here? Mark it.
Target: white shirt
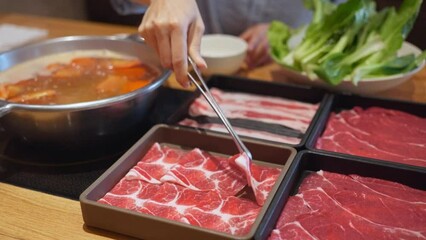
(235, 16)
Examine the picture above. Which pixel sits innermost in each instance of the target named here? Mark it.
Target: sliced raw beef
(119, 195)
(241, 131)
(207, 209)
(377, 133)
(336, 206)
(195, 169)
(260, 178)
(202, 172)
(157, 161)
(228, 214)
(193, 187)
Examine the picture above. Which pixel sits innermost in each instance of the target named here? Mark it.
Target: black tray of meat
(325, 196)
(381, 129)
(256, 109)
(180, 184)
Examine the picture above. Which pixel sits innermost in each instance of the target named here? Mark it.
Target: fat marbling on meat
(336, 206)
(193, 187)
(266, 112)
(377, 132)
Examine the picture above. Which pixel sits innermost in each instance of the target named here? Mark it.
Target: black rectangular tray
(151, 227)
(306, 94)
(342, 101)
(308, 161)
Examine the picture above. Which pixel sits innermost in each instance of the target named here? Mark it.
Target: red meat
(336, 206)
(154, 165)
(208, 209)
(202, 172)
(293, 114)
(377, 133)
(260, 178)
(193, 187)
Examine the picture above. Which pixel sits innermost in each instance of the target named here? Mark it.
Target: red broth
(83, 79)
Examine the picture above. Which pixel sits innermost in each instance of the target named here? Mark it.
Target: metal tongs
(210, 99)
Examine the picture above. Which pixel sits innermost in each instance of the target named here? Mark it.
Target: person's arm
(174, 29)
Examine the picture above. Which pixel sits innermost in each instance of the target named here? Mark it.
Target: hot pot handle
(5, 108)
(133, 36)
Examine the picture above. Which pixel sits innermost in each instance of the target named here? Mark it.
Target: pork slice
(242, 131)
(289, 113)
(200, 108)
(261, 100)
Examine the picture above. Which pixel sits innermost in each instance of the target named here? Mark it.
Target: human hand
(258, 45)
(174, 29)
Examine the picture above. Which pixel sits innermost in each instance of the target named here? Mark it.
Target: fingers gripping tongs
(210, 99)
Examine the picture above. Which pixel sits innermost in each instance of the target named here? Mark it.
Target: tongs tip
(210, 99)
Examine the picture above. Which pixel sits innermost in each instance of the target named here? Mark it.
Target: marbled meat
(336, 206)
(192, 187)
(377, 133)
(260, 178)
(242, 131)
(291, 114)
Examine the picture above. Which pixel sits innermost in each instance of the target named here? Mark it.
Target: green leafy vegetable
(351, 40)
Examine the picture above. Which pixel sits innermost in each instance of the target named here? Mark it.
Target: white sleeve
(127, 7)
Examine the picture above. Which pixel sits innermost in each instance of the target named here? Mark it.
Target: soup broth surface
(73, 77)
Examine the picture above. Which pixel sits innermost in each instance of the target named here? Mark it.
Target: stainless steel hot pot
(86, 122)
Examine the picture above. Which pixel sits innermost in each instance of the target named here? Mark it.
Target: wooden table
(27, 214)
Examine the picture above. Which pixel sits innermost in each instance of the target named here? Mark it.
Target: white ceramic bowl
(365, 86)
(224, 54)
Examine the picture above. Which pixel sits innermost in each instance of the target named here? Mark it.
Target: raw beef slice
(260, 178)
(208, 209)
(202, 172)
(377, 133)
(193, 187)
(195, 169)
(336, 206)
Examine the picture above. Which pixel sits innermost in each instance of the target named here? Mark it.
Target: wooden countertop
(28, 214)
